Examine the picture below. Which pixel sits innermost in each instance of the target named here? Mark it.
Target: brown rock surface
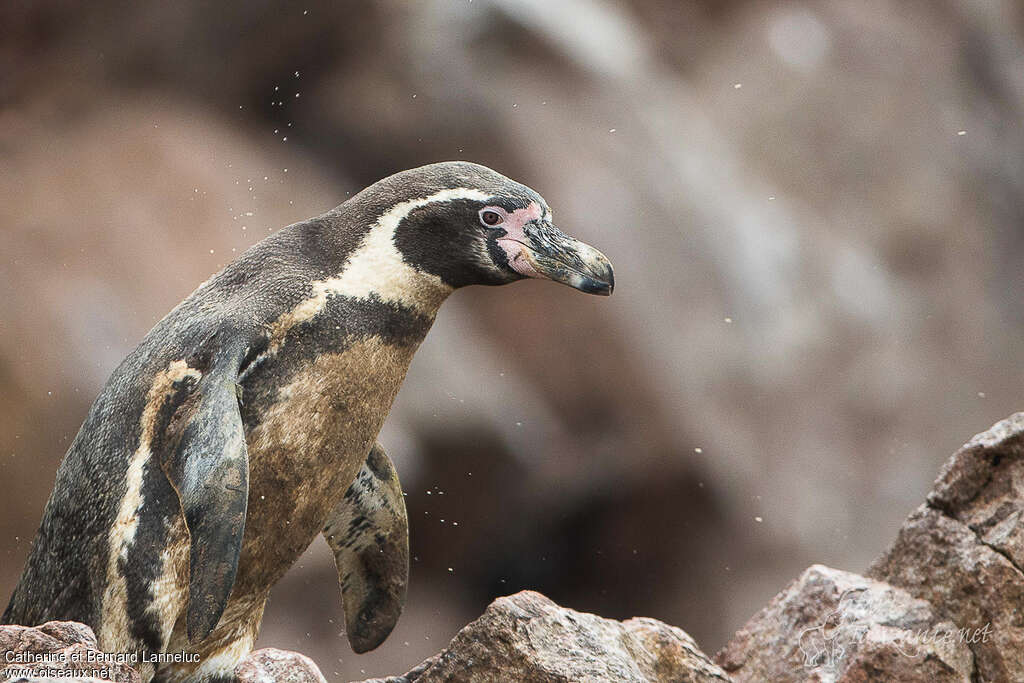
(527, 637)
(278, 666)
(950, 604)
(962, 549)
(65, 645)
(831, 625)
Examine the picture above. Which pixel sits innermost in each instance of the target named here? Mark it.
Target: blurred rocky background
(815, 211)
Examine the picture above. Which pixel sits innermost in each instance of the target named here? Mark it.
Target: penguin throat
(376, 270)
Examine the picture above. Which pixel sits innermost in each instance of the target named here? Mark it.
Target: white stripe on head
(376, 268)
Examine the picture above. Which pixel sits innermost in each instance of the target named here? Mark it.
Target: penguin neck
(373, 272)
(375, 269)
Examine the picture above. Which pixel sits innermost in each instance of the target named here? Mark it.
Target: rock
(676, 656)
(944, 603)
(56, 646)
(831, 625)
(526, 637)
(271, 665)
(964, 548)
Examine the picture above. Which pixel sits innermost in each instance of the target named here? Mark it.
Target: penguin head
(470, 225)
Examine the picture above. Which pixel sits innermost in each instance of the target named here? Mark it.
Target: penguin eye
(491, 218)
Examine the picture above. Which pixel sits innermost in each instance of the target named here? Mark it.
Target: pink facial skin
(513, 242)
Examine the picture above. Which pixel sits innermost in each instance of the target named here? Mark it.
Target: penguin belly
(309, 427)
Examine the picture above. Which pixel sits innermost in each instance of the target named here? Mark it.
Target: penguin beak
(544, 251)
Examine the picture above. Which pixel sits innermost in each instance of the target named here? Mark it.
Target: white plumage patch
(114, 625)
(222, 663)
(169, 590)
(376, 268)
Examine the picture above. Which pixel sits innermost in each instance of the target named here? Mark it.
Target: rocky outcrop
(271, 665)
(54, 650)
(942, 604)
(527, 637)
(523, 637)
(963, 549)
(834, 625)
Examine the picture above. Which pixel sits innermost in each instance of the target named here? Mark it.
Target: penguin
(245, 424)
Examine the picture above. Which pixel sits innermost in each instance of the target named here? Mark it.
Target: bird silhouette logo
(827, 644)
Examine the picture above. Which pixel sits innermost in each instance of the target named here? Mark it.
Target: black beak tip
(602, 286)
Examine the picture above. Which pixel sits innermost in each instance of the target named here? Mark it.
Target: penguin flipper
(369, 534)
(209, 471)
